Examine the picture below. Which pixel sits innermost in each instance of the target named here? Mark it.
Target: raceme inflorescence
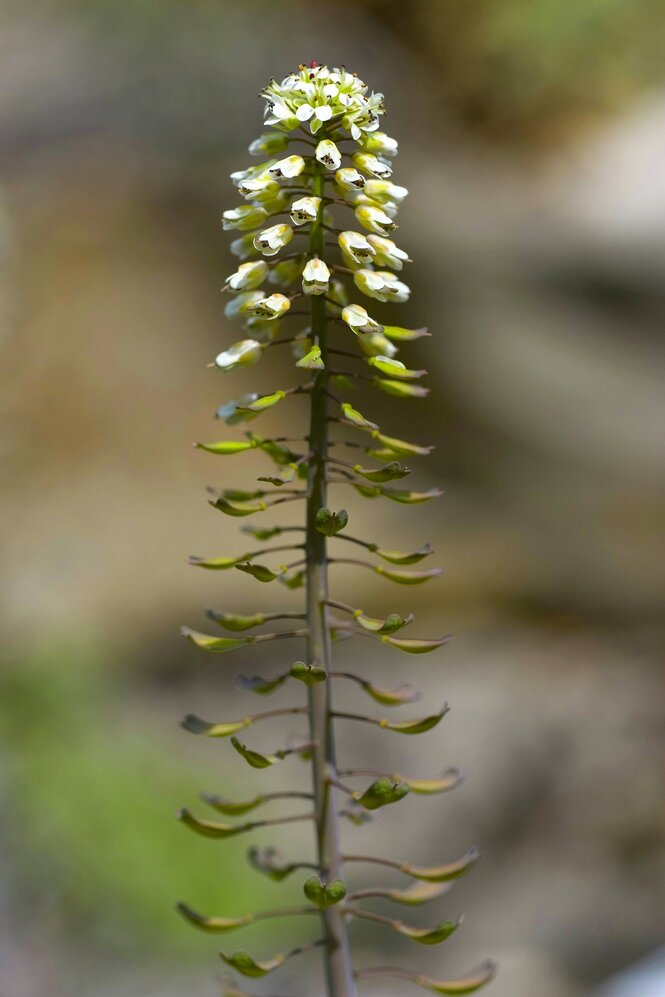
(314, 231)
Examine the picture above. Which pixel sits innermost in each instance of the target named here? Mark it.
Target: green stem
(338, 970)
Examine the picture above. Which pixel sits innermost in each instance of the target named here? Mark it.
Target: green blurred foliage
(530, 70)
(91, 787)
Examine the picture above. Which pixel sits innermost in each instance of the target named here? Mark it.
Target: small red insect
(313, 64)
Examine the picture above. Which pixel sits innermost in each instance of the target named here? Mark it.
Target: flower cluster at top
(323, 156)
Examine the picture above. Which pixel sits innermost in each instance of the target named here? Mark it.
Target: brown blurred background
(532, 140)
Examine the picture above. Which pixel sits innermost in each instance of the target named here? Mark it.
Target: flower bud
(271, 307)
(376, 344)
(374, 219)
(380, 144)
(271, 240)
(356, 249)
(271, 143)
(285, 272)
(244, 246)
(242, 303)
(388, 207)
(264, 330)
(369, 164)
(375, 285)
(238, 175)
(260, 171)
(258, 188)
(247, 276)
(287, 168)
(383, 191)
(247, 216)
(348, 178)
(337, 292)
(358, 320)
(305, 209)
(241, 354)
(315, 277)
(277, 204)
(396, 289)
(387, 254)
(329, 155)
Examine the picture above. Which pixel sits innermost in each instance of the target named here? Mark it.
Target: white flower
(242, 303)
(380, 143)
(374, 219)
(363, 116)
(243, 218)
(379, 284)
(356, 249)
(280, 115)
(305, 209)
(388, 208)
(315, 277)
(397, 289)
(316, 94)
(258, 172)
(387, 254)
(358, 320)
(241, 354)
(239, 175)
(271, 307)
(270, 143)
(348, 178)
(328, 154)
(271, 240)
(287, 168)
(258, 188)
(384, 191)
(323, 112)
(369, 164)
(247, 276)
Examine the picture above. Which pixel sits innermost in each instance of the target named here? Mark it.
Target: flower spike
(313, 237)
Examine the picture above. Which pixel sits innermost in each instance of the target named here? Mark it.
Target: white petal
(304, 112)
(281, 111)
(323, 113)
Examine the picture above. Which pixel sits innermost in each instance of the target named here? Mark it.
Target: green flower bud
(270, 143)
(374, 219)
(243, 218)
(369, 164)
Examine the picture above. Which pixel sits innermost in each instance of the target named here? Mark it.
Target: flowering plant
(344, 162)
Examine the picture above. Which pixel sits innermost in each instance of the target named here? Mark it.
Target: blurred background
(532, 139)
